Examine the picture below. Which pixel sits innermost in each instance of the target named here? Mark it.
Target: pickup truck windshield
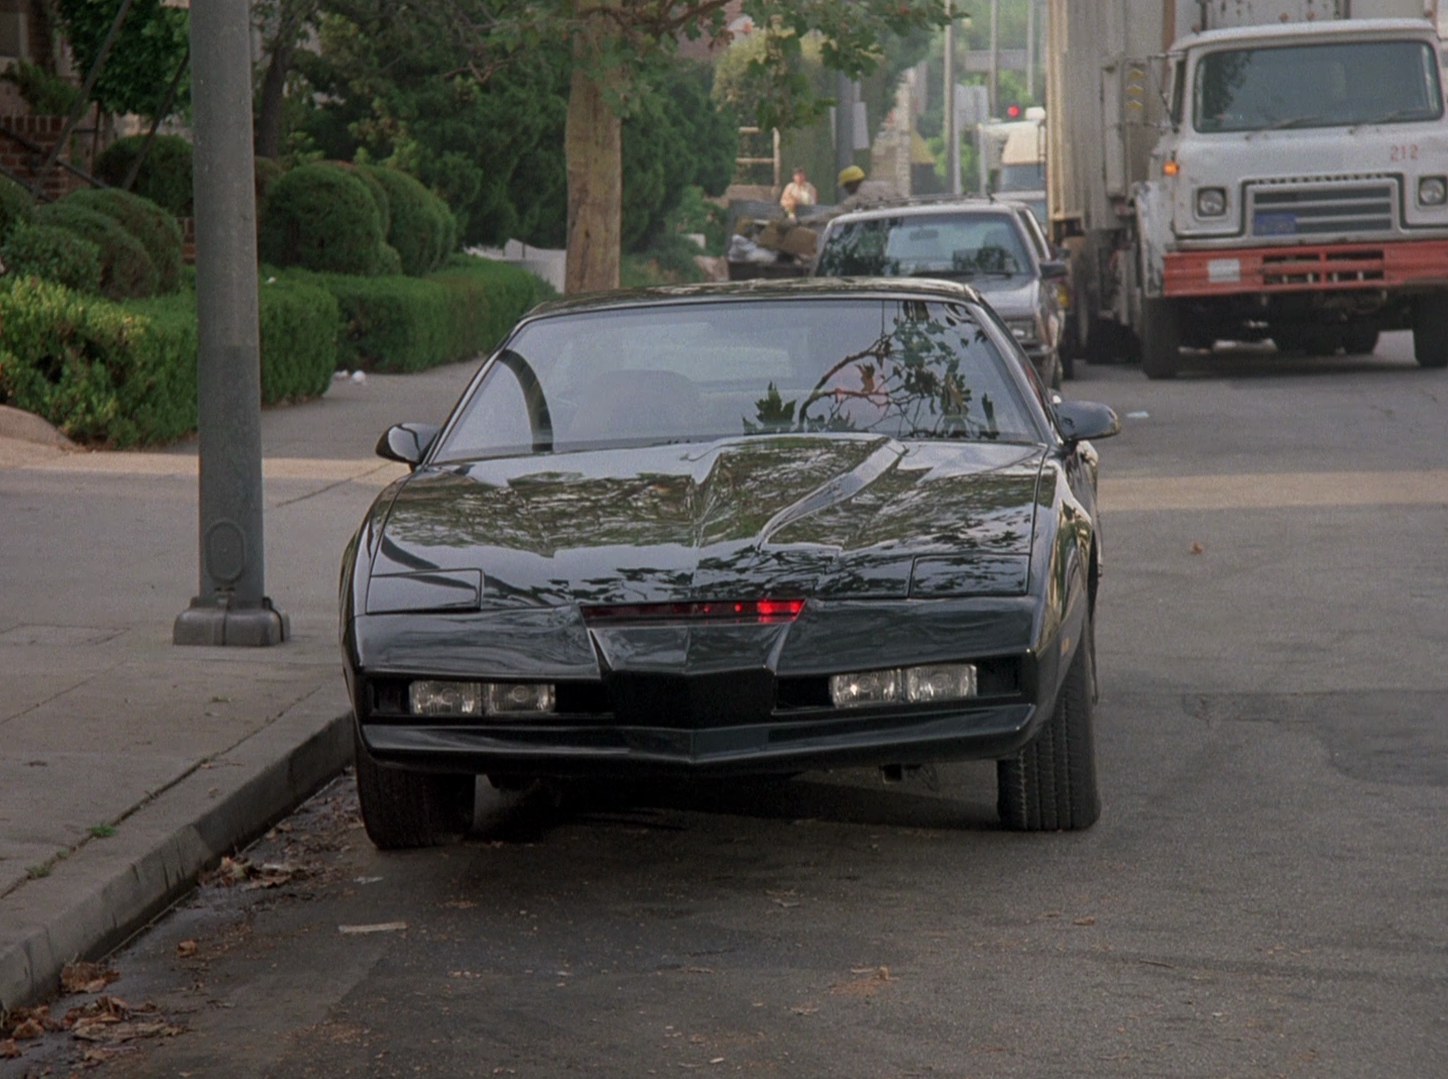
(1337, 84)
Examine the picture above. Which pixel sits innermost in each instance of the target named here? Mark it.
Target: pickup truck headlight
(1024, 330)
(1432, 190)
(1211, 202)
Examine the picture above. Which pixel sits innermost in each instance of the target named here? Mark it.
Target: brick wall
(23, 160)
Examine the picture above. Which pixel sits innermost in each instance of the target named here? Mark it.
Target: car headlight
(907, 685)
(1024, 330)
(433, 698)
(1432, 191)
(1211, 202)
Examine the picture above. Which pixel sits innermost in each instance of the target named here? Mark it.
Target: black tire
(403, 809)
(1161, 338)
(1430, 331)
(1360, 340)
(1050, 784)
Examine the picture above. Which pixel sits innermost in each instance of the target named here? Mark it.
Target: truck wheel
(1161, 338)
(402, 809)
(1050, 784)
(1430, 331)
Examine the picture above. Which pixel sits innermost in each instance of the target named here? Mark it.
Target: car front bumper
(781, 745)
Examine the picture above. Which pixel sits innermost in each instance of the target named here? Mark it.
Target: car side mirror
(1055, 269)
(407, 443)
(1081, 420)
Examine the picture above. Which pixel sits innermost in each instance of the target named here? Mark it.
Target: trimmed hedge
(52, 254)
(156, 228)
(164, 176)
(300, 327)
(96, 371)
(125, 374)
(400, 324)
(127, 272)
(323, 218)
(422, 228)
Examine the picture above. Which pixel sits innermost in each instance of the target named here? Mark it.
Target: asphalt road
(1265, 895)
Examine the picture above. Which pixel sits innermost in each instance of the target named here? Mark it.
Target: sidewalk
(127, 763)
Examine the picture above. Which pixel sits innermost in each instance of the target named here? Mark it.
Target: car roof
(932, 206)
(824, 288)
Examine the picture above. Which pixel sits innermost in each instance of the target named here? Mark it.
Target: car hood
(1010, 296)
(783, 515)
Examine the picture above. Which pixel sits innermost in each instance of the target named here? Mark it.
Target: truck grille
(1358, 207)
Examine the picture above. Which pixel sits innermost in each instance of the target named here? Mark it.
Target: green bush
(374, 188)
(399, 324)
(52, 254)
(16, 205)
(97, 371)
(323, 218)
(125, 374)
(126, 270)
(486, 298)
(46, 93)
(165, 173)
(154, 227)
(393, 323)
(422, 229)
(300, 324)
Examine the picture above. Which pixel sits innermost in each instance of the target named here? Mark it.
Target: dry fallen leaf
(86, 977)
(1088, 920)
(27, 1029)
(187, 949)
(1197, 548)
(8, 1049)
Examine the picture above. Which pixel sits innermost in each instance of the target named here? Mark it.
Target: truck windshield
(1318, 85)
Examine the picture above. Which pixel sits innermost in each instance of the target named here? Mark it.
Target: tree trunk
(593, 148)
(273, 95)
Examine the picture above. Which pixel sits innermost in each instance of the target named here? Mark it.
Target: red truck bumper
(1307, 269)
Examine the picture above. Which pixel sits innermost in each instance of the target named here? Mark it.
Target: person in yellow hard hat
(851, 177)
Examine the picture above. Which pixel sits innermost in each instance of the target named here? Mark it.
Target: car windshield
(1322, 85)
(954, 244)
(688, 372)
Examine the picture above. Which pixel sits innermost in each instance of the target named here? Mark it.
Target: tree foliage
(151, 47)
(471, 96)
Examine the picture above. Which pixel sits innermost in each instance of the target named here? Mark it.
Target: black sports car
(748, 528)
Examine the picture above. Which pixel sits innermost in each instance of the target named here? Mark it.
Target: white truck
(1249, 169)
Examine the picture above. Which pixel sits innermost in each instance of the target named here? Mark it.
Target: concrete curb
(87, 906)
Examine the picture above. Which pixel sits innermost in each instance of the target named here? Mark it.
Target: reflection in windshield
(1322, 85)
(703, 371)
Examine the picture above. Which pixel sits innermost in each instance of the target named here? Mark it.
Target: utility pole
(231, 607)
(1031, 6)
(995, 57)
(952, 133)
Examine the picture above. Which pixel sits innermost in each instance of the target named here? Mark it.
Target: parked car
(982, 241)
(752, 527)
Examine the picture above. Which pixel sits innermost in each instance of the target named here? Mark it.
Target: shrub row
(125, 374)
(97, 371)
(103, 242)
(402, 324)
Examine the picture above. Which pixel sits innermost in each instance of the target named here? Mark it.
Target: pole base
(216, 622)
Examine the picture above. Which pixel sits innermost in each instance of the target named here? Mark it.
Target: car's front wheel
(1050, 784)
(403, 809)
